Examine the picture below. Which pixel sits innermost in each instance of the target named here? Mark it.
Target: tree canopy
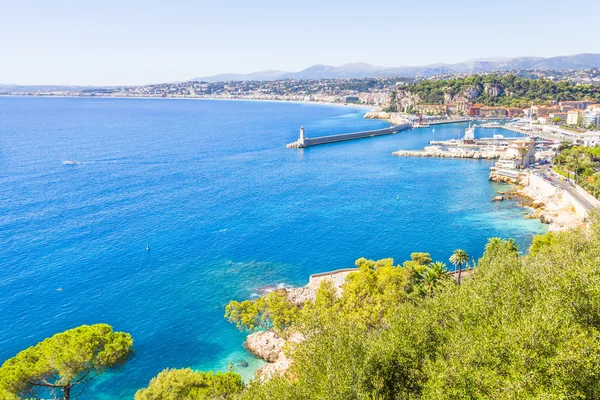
(186, 384)
(520, 327)
(64, 362)
(502, 90)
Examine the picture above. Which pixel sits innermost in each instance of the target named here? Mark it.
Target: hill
(362, 70)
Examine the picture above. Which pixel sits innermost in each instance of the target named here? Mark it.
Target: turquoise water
(225, 208)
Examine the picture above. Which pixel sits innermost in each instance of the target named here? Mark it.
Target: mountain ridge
(363, 70)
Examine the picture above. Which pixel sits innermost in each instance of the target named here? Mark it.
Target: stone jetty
(479, 155)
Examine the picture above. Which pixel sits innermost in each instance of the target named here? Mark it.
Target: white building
(592, 116)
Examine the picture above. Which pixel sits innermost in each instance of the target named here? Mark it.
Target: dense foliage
(185, 384)
(502, 90)
(369, 296)
(582, 164)
(519, 327)
(63, 363)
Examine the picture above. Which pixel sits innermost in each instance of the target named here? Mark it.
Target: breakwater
(479, 155)
(306, 142)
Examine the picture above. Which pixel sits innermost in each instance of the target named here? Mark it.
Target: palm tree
(429, 281)
(459, 258)
(431, 278)
(439, 269)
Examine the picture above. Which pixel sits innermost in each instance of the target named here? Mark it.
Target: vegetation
(502, 90)
(582, 164)
(519, 327)
(64, 363)
(185, 384)
(459, 258)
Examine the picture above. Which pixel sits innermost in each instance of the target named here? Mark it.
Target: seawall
(348, 136)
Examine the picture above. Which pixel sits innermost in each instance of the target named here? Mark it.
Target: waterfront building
(590, 139)
(432, 109)
(592, 117)
(523, 151)
(462, 105)
(493, 112)
(514, 112)
(575, 105)
(475, 110)
(561, 115)
(575, 117)
(545, 120)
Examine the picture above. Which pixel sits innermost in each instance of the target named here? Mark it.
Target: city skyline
(68, 43)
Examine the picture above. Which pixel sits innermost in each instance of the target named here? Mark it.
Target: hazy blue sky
(133, 42)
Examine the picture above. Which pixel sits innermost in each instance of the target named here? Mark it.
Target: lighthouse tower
(302, 140)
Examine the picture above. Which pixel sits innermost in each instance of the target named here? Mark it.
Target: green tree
(272, 311)
(185, 384)
(65, 362)
(459, 258)
(556, 120)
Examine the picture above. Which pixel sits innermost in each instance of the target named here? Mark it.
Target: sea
(88, 185)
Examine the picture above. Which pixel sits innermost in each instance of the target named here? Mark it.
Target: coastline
(370, 108)
(550, 204)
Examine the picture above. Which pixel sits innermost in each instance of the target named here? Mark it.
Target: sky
(130, 42)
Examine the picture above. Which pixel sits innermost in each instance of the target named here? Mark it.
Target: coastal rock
(498, 198)
(470, 92)
(269, 370)
(377, 115)
(266, 345)
(492, 90)
(299, 296)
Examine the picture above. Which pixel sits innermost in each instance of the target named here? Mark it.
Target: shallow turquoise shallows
(225, 209)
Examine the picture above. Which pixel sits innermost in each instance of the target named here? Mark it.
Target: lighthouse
(302, 139)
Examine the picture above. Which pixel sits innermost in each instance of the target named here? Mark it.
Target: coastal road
(566, 187)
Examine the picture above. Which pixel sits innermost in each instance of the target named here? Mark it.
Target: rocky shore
(273, 348)
(553, 209)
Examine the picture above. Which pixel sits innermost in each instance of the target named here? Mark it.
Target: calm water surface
(225, 208)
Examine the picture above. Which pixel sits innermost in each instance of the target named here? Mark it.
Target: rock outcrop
(492, 90)
(554, 209)
(299, 296)
(270, 347)
(265, 344)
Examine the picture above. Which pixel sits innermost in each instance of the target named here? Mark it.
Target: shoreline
(370, 108)
(550, 204)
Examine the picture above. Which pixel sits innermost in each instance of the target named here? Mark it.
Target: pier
(429, 124)
(304, 141)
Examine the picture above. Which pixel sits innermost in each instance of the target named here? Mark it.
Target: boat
(147, 247)
(70, 162)
(469, 133)
(494, 124)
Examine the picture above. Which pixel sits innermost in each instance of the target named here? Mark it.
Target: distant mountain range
(362, 70)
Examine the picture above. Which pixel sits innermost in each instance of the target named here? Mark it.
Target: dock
(304, 141)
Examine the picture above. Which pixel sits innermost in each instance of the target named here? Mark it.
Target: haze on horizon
(135, 42)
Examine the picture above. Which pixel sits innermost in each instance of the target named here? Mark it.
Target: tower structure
(302, 141)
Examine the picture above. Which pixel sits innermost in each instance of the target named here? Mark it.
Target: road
(566, 187)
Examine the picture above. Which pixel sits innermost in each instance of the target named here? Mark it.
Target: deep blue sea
(226, 209)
